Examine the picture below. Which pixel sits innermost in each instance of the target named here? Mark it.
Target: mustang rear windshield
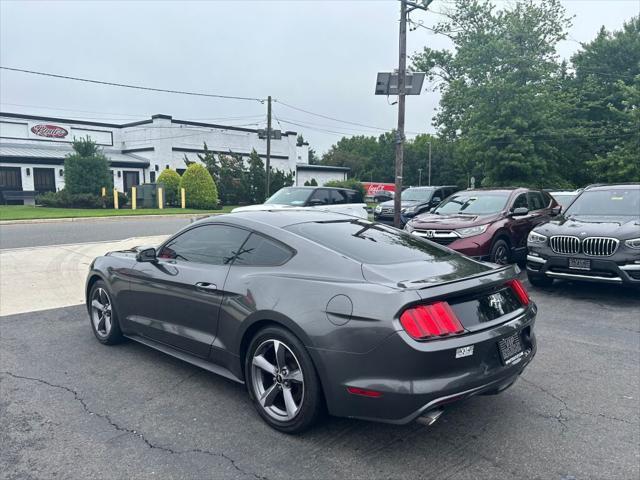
(607, 202)
(290, 196)
(369, 243)
(474, 203)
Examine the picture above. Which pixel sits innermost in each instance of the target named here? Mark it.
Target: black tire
(106, 336)
(500, 252)
(538, 280)
(311, 402)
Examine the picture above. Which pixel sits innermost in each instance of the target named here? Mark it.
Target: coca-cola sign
(49, 131)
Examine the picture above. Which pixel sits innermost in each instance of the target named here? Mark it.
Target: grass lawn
(24, 212)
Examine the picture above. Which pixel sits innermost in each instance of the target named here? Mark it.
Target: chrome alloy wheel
(277, 380)
(101, 312)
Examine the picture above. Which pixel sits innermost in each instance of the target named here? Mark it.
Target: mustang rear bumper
(414, 377)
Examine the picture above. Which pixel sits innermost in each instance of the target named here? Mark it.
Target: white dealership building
(33, 148)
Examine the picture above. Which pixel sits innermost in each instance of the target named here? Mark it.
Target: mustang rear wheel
(282, 381)
(104, 321)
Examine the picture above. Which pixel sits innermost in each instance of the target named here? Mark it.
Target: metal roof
(307, 166)
(59, 152)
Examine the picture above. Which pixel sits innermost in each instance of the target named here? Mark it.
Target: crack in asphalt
(136, 433)
(565, 407)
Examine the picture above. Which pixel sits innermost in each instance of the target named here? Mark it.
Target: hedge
(200, 189)
(170, 179)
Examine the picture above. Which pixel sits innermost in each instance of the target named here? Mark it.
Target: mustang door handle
(206, 287)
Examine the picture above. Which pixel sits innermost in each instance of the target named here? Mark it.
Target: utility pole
(419, 177)
(268, 176)
(429, 163)
(402, 70)
(406, 6)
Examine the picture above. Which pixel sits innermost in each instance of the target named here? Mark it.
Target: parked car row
(595, 238)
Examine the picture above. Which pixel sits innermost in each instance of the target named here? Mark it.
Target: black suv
(596, 239)
(415, 200)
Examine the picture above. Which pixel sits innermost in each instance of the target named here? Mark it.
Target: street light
(419, 177)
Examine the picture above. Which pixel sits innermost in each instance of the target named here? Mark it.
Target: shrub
(352, 183)
(200, 189)
(87, 169)
(170, 180)
(65, 199)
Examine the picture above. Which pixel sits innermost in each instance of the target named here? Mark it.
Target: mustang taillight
(519, 290)
(427, 321)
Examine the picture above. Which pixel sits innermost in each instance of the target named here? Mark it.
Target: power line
(136, 87)
(328, 117)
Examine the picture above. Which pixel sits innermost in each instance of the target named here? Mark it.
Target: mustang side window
(261, 251)
(211, 244)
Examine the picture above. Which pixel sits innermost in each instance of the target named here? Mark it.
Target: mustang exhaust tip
(430, 417)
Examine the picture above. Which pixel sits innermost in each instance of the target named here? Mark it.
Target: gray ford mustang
(318, 312)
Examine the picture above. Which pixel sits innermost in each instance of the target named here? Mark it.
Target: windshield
(417, 194)
(474, 203)
(290, 196)
(617, 202)
(368, 242)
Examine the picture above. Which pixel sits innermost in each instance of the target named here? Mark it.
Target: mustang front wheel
(104, 320)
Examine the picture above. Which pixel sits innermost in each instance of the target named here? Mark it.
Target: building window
(152, 177)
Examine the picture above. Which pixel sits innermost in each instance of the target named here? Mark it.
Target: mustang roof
(281, 218)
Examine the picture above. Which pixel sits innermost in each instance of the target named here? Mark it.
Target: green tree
(87, 169)
(256, 178)
(232, 187)
(171, 181)
(280, 179)
(200, 189)
(607, 87)
(500, 95)
(352, 183)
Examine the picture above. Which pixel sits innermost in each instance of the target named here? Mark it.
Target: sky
(320, 56)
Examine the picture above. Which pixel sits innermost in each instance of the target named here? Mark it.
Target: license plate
(579, 264)
(511, 349)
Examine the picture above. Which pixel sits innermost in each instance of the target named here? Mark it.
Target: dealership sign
(49, 131)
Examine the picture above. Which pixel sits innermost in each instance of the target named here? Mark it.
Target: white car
(340, 200)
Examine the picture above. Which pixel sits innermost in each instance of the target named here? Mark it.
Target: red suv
(486, 224)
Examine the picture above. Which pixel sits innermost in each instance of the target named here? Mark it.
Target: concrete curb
(109, 218)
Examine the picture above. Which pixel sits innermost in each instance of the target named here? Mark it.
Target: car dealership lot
(74, 408)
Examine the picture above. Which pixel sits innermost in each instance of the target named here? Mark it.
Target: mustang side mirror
(556, 210)
(435, 201)
(520, 211)
(146, 254)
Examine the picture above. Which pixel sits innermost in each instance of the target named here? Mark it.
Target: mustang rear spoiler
(422, 284)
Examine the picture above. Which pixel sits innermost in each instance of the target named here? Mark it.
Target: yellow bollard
(115, 198)
(160, 192)
(183, 200)
(104, 191)
(133, 198)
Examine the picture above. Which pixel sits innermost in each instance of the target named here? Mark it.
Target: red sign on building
(49, 131)
(373, 188)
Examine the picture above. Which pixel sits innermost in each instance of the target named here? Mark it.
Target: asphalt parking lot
(72, 408)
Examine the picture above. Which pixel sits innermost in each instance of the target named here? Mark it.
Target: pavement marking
(53, 276)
